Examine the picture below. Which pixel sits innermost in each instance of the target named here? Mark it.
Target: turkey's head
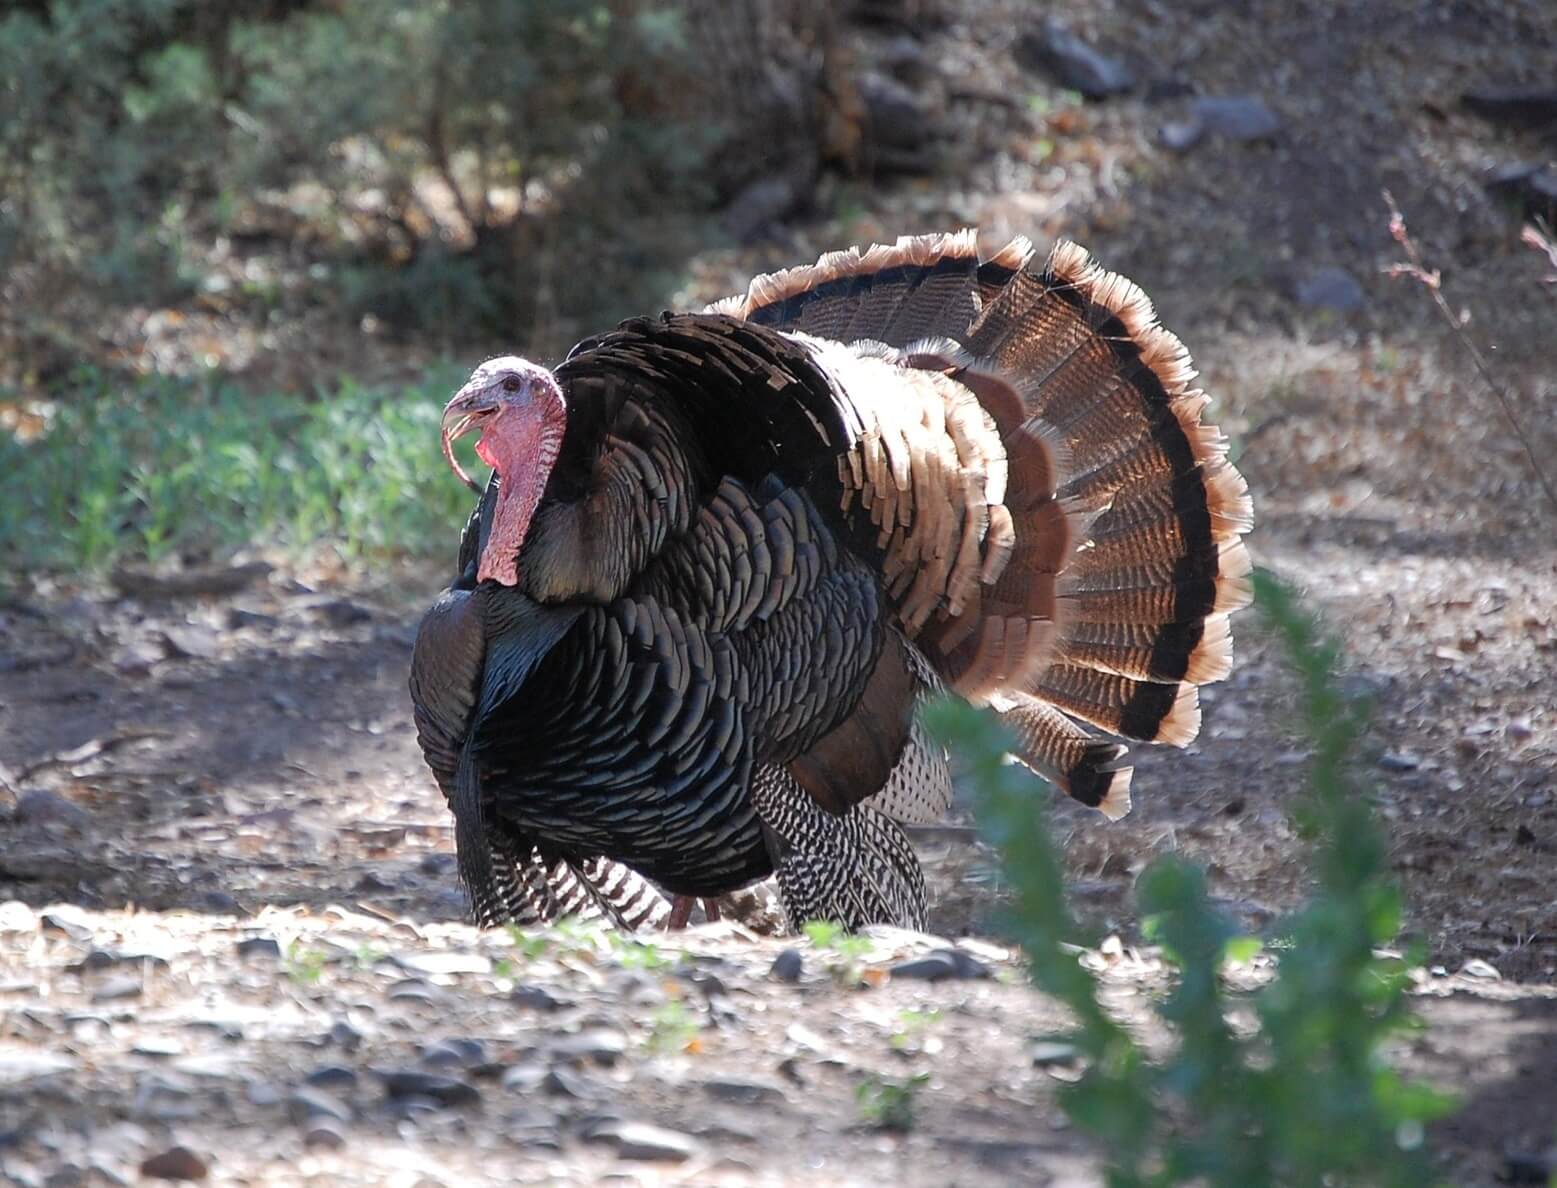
(521, 415)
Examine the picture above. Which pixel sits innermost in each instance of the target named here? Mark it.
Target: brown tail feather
(1082, 767)
(1101, 584)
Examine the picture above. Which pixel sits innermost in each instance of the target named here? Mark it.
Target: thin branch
(1432, 281)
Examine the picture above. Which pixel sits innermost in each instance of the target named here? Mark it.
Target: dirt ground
(191, 772)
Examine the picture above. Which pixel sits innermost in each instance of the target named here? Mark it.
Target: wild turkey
(723, 555)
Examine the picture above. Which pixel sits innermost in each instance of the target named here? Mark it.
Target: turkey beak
(462, 414)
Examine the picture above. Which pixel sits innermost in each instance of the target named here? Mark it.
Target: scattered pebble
(537, 998)
(176, 1163)
(443, 962)
(332, 1076)
(42, 807)
(744, 1092)
(1054, 1054)
(1072, 63)
(118, 989)
(446, 1091)
(1237, 117)
(594, 1045)
(1477, 968)
(322, 1135)
(305, 1104)
(943, 963)
(454, 1053)
(1330, 288)
(639, 1140)
(259, 946)
(788, 966)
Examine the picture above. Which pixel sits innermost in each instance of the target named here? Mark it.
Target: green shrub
(174, 466)
(438, 157)
(1306, 1098)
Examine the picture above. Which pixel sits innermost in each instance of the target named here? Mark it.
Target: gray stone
(931, 968)
(788, 966)
(1330, 288)
(536, 998)
(347, 1036)
(454, 1053)
(117, 989)
(1054, 1054)
(594, 1045)
(305, 1104)
(1237, 117)
(639, 1140)
(41, 807)
(259, 946)
(1072, 63)
(192, 642)
(332, 1076)
(1181, 135)
(744, 1092)
(446, 1091)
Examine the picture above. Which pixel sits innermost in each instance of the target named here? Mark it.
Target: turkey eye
(511, 383)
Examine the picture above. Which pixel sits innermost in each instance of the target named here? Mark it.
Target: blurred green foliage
(194, 467)
(1298, 1093)
(441, 154)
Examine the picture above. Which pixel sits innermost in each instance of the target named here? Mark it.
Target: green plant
(845, 951)
(303, 965)
(162, 466)
(887, 1103)
(673, 1029)
(908, 1037)
(1307, 1098)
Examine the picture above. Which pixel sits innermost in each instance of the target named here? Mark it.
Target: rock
(41, 807)
(788, 966)
(16, 916)
(1514, 107)
(1530, 185)
(905, 58)
(437, 863)
(943, 963)
(524, 1078)
(1399, 761)
(1054, 1054)
(593, 1045)
(238, 618)
(446, 1091)
(374, 883)
(744, 1092)
(138, 658)
(332, 1076)
(347, 1036)
(341, 612)
(260, 946)
(17, 1067)
(444, 962)
(1529, 1167)
(639, 1140)
(1181, 135)
(306, 1104)
(99, 959)
(1237, 117)
(896, 116)
(1071, 62)
(323, 1135)
(117, 989)
(192, 642)
(564, 1082)
(758, 206)
(218, 901)
(415, 990)
(65, 921)
(454, 1053)
(262, 1093)
(1477, 968)
(536, 998)
(176, 1163)
(1330, 288)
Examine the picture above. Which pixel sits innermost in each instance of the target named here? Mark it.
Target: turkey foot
(681, 912)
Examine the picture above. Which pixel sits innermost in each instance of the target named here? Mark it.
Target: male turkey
(723, 555)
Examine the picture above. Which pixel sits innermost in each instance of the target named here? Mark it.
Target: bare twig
(1432, 281)
(1539, 236)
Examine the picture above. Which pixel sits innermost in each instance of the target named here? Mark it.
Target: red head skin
(520, 411)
